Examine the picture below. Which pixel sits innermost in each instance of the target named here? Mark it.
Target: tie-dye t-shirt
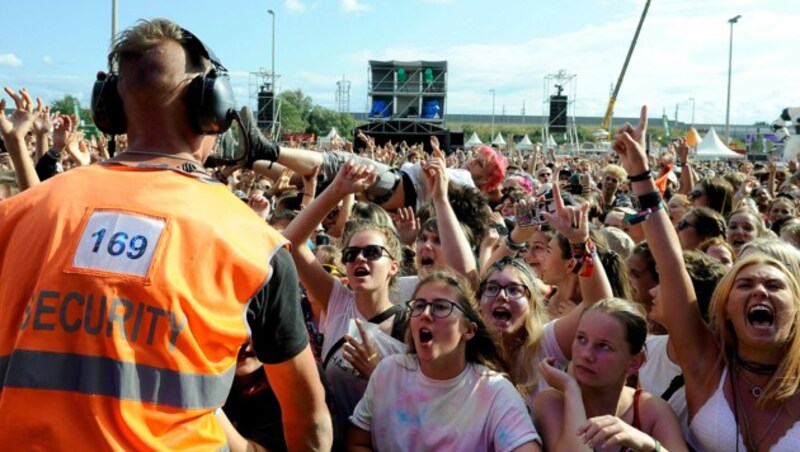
(477, 410)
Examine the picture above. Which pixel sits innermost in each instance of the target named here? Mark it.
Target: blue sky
(55, 48)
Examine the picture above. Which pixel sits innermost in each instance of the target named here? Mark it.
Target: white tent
(498, 140)
(329, 137)
(713, 148)
(525, 143)
(473, 141)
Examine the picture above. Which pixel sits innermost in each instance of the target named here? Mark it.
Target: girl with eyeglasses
(371, 256)
(513, 309)
(448, 392)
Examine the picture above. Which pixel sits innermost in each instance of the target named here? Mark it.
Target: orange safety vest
(123, 294)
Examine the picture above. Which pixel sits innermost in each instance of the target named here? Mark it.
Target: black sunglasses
(684, 223)
(695, 194)
(370, 253)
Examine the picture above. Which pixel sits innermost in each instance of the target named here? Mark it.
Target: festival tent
(712, 148)
(498, 140)
(473, 141)
(327, 139)
(525, 144)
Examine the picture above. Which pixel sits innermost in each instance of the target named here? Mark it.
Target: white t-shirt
(404, 289)
(347, 384)
(658, 372)
(414, 171)
(477, 410)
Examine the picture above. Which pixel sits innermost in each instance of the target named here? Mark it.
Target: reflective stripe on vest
(96, 375)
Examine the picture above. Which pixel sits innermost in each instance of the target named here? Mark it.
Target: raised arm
(42, 124)
(459, 253)
(694, 345)
(573, 223)
(318, 283)
(688, 178)
(13, 130)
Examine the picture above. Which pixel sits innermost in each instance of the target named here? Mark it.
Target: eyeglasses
(695, 194)
(440, 308)
(545, 174)
(684, 223)
(513, 291)
(370, 253)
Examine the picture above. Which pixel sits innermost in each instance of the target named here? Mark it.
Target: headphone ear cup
(108, 113)
(210, 103)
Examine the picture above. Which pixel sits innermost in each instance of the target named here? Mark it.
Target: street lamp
(492, 91)
(692, 99)
(728, 103)
(272, 13)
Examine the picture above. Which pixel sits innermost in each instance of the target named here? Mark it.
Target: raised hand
(571, 222)
(43, 121)
(260, 205)
(407, 225)
(362, 355)
(354, 178)
(19, 123)
(437, 153)
(435, 173)
(630, 146)
(682, 149)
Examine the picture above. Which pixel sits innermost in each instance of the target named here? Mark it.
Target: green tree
(69, 105)
(295, 110)
(321, 120)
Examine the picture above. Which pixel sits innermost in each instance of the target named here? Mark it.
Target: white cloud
(9, 59)
(352, 6)
(48, 61)
(295, 6)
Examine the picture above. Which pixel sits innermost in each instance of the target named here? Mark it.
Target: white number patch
(119, 243)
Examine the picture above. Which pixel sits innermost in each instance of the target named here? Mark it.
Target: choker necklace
(757, 368)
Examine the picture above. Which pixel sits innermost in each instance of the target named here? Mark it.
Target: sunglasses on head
(370, 253)
(695, 194)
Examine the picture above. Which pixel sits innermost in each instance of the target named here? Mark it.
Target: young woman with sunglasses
(741, 371)
(448, 392)
(371, 258)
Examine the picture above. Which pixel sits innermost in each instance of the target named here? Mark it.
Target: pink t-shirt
(477, 410)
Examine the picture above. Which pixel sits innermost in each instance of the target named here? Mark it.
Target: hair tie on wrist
(640, 177)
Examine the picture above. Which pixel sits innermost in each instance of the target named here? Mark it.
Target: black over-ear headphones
(210, 100)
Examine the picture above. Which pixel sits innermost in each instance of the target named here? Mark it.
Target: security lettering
(98, 314)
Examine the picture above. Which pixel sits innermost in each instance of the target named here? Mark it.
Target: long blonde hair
(786, 380)
(523, 372)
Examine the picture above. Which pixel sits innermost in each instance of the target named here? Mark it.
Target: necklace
(162, 154)
(752, 446)
(756, 367)
(755, 390)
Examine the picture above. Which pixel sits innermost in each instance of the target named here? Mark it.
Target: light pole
(272, 13)
(728, 103)
(492, 91)
(692, 99)
(113, 21)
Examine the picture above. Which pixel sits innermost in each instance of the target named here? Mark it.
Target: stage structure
(268, 106)
(408, 99)
(558, 109)
(343, 95)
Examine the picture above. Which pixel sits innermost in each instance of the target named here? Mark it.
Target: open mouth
(738, 243)
(425, 336)
(761, 316)
(426, 261)
(501, 314)
(361, 271)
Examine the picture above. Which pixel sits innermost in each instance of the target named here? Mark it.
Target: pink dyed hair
(498, 164)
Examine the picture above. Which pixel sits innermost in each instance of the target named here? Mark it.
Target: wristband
(514, 246)
(649, 200)
(640, 177)
(642, 216)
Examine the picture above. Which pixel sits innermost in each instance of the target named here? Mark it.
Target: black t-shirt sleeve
(274, 314)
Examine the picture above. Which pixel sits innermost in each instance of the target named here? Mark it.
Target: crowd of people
(403, 297)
